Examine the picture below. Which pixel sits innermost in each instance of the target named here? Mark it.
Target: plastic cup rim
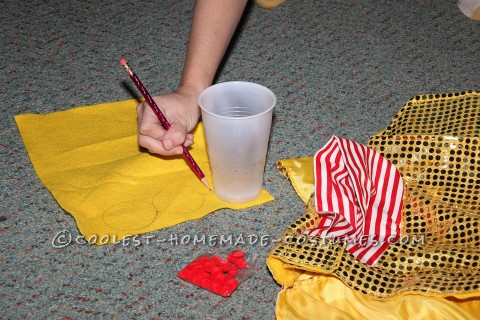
(268, 91)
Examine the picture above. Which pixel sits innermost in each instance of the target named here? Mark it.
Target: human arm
(213, 25)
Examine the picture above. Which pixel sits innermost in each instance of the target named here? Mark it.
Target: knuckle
(145, 129)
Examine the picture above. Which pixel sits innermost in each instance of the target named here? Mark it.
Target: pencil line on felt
(166, 125)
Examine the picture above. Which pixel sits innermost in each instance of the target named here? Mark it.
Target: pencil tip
(205, 182)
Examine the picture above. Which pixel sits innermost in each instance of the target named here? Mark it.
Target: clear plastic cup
(237, 117)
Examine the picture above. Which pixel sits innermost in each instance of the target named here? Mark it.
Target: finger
(148, 124)
(140, 110)
(156, 146)
(189, 141)
(175, 136)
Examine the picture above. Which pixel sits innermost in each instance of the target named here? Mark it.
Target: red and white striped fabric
(359, 194)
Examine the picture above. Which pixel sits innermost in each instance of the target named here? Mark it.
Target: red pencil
(148, 98)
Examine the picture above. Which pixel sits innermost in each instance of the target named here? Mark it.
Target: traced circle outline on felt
(162, 202)
(130, 216)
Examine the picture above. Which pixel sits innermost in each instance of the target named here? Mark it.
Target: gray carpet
(337, 67)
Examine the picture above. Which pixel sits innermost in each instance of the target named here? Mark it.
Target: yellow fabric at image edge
(89, 159)
(314, 295)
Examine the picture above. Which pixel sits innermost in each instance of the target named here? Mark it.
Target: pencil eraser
(123, 61)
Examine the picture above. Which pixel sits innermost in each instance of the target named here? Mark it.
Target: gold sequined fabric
(434, 143)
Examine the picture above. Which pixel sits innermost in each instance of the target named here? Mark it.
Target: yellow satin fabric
(307, 295)
(300, 173)
(325, 297)
(89, 159)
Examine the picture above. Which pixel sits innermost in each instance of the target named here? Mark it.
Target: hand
(213, 24)
(182, 112)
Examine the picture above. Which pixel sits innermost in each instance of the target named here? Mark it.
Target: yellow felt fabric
(89, 159)
(310, 295)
